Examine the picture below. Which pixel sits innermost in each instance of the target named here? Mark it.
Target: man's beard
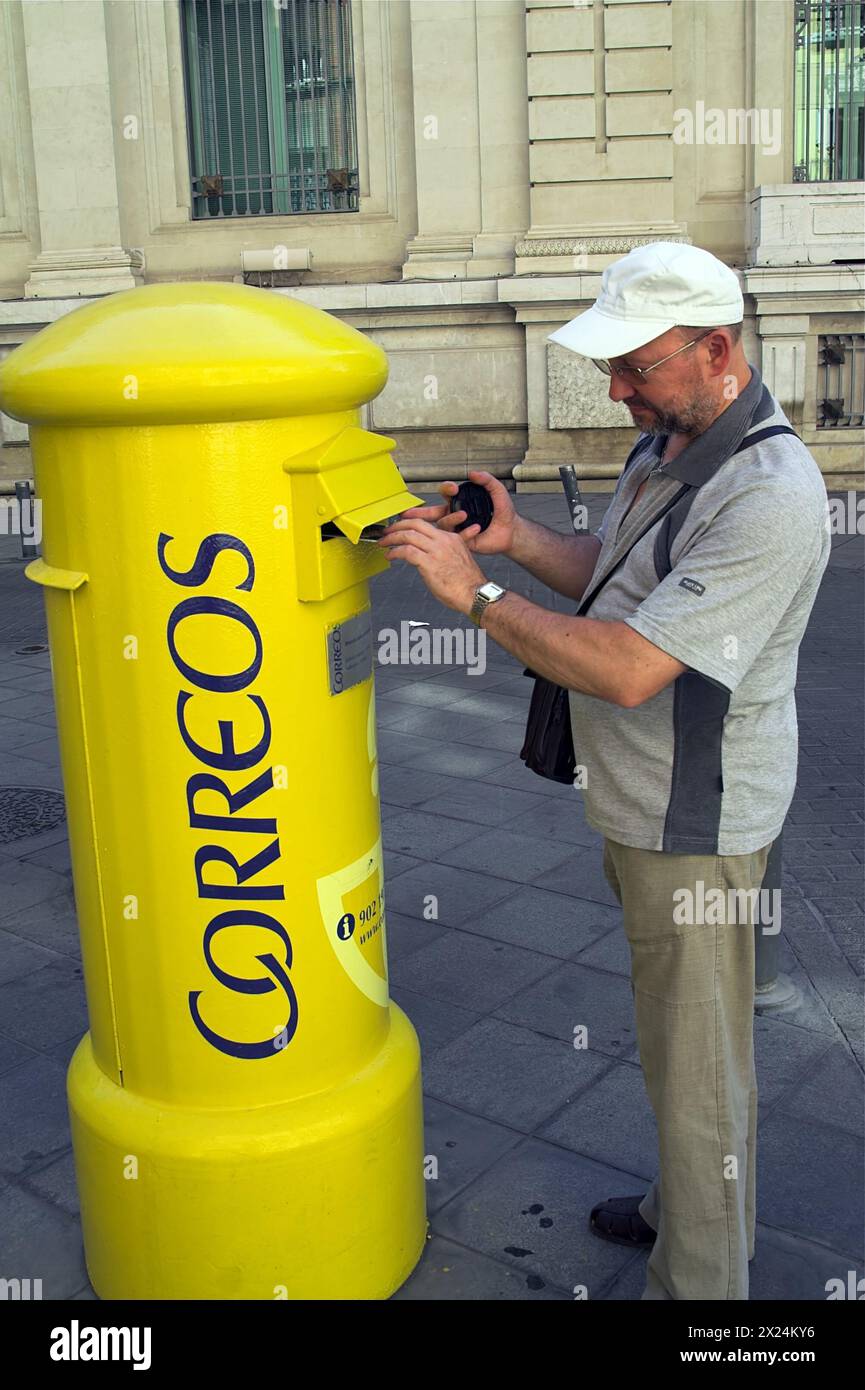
(691, 419)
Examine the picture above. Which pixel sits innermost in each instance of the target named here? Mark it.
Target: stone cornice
(588, 245)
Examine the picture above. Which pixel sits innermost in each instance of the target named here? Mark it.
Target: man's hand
(497, 539)
(445, 565)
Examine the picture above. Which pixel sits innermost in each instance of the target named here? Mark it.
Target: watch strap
(481, 602)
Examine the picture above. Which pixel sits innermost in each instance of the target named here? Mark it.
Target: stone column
(784, 351)
(471, 138)
(504, 136)
(447, 153)
(73, 150)
(769, 67)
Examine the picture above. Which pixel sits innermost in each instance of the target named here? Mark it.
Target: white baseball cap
(651, 290)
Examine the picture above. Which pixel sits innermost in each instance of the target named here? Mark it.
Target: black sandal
(618, 1219)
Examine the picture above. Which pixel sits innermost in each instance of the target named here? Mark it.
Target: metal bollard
(24, 494)
(568, 475)
(771, 989)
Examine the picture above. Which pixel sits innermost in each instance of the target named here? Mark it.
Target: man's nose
(620, 390)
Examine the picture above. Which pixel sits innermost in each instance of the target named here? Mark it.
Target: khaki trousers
(692, 977)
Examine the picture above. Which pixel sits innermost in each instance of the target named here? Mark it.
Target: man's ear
(721, 351)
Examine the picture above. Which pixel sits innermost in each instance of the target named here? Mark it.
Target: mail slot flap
(351, 481)
(372, 485)
(352, 523)
(353, 472)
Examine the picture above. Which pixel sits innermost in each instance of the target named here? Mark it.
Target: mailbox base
(320, 1198)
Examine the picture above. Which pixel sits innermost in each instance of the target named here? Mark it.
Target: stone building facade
(506, 151)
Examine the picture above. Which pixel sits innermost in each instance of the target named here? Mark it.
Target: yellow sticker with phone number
(352, 909)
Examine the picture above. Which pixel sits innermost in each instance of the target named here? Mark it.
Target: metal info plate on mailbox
(349, 652)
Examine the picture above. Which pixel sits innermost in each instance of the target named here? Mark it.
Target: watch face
(491, 590)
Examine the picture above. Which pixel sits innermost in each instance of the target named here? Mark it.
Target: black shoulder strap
(674, 519)
(764, 434)
(592, 594)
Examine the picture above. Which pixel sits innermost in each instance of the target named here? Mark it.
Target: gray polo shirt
(708, 765)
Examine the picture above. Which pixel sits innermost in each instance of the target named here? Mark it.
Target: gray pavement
(527, 1131)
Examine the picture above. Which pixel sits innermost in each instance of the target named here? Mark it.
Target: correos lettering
(228, 758)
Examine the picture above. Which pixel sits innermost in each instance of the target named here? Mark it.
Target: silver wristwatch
(484, 595)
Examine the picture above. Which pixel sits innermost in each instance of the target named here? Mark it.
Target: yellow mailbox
(246, 1108)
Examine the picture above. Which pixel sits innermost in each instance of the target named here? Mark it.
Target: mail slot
(246, 1106)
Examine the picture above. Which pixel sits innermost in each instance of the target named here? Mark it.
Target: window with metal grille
(841, 380)
(829, 90)
(270, 104)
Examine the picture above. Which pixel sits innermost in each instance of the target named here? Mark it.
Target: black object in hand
(476, 502)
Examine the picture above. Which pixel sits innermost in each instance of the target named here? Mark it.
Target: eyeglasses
(640, 373)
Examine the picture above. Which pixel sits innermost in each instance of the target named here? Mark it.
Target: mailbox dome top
(189, 353)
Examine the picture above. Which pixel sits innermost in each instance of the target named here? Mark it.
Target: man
(700, 581)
